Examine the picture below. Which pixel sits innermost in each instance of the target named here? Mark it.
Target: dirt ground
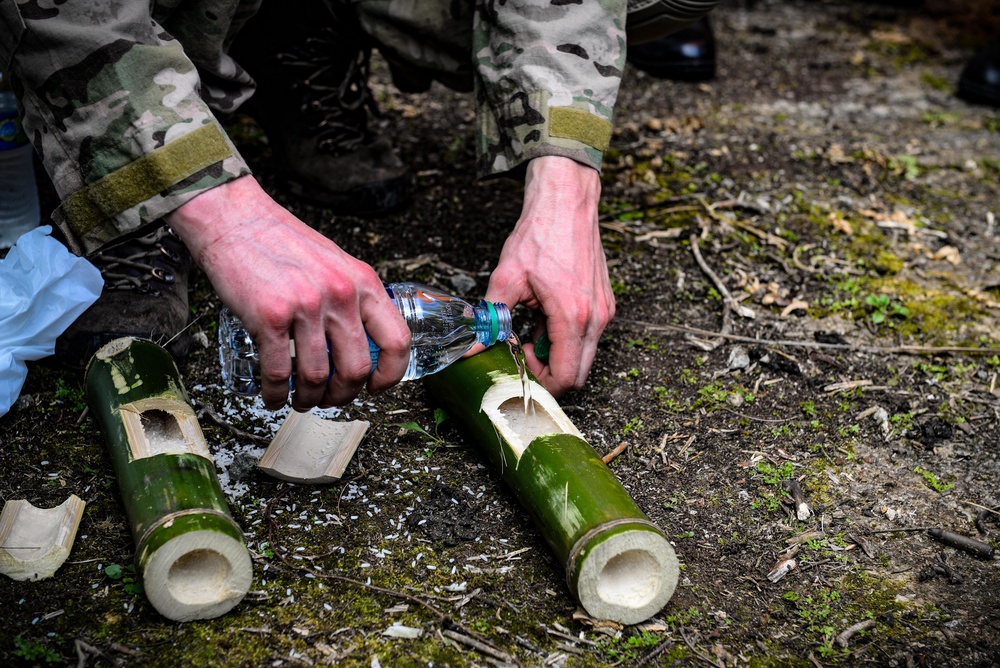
(837, 190)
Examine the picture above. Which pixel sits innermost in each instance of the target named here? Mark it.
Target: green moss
(936, 317)
(887, 263)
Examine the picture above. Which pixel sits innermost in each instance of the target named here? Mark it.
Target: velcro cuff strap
(144, 178)
(580, 125)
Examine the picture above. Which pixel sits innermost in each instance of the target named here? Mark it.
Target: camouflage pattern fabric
(104, 84)
(528, 58)
(118, 96)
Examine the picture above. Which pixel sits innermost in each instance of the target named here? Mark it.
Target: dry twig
(847, 347)
(610, 457)
(845, 637)
(727, 298)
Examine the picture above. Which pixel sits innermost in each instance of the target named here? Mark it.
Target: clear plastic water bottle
(19, 211)
(443, 327)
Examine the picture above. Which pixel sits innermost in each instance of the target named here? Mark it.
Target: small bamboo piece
(309, 449)
(619, 565)
(34, 542)
(190, 553)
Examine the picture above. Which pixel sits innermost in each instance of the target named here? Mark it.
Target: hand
(286, 281)
(553, 261)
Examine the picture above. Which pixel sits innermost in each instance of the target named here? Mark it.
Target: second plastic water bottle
(443, 327)
(19, 209)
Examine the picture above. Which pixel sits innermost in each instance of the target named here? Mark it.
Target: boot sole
(695, 70)
(979, 94)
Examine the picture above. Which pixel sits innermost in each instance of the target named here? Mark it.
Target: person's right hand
(286, 281)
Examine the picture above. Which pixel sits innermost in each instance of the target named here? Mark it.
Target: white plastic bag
(43, 289)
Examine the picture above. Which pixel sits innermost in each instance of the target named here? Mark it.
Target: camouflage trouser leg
(432, 39)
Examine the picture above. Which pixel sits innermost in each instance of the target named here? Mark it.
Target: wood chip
(310, 449)
(847, 385)
(397, 630)
(34, 542)
(781, 569)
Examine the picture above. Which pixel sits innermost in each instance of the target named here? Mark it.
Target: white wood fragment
(397, 630)
(781, 569)
(34, 542)
(310, 449)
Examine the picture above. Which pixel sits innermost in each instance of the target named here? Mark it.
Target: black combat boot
(980, 79)
(145, 295)
(686, 55)
(313, 103)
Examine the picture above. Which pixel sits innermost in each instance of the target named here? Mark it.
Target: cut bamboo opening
(619, 565)
(189, 552)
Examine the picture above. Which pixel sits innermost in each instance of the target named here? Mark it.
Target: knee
(650, 19)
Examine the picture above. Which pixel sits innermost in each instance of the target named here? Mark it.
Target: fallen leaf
(948, 253)
(840, 224)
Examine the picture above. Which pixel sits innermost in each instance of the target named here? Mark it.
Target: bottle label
(11, 133)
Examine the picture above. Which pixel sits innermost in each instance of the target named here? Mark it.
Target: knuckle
(313, 377)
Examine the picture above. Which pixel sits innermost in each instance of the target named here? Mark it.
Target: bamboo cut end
(197, 575)
(34, 542)
(628, 577)
(114, 348)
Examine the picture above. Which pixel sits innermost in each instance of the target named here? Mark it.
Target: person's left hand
(553, 262)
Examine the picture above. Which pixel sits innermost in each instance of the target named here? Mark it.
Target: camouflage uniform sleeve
(114, 107)
(547, 75)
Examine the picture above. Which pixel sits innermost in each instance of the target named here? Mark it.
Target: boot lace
(145, 263)
(335, 101)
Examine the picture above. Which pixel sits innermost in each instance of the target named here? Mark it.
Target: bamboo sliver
(35, 542)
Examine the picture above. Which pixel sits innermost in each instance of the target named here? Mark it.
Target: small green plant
(711, 395)
(809, 408)
(632, 426)
(768, 501)
(882, 307)
(434, 440)
(666, 397)
(126, 575)
(71, 396)
(932, 480)
(629, 649)
(33, 650)
(774, 475)
(903, 422)
(643, 344)
(849, 430)
(685, 617)
(905, 166)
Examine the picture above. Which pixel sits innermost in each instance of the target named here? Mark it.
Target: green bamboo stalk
(190, 553)
(619, 565)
